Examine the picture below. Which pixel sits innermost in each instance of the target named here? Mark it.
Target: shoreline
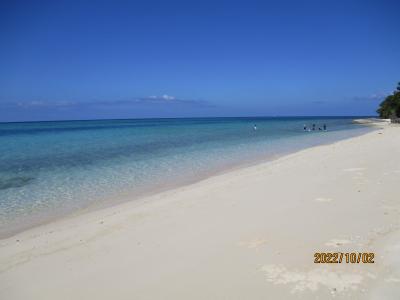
(242, 233)
(129, 195)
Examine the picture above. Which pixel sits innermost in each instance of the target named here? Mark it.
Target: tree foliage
(390, 107)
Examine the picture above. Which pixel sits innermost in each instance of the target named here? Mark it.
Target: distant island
(390, 107)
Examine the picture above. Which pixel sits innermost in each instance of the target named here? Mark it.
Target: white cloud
(161, 98)
(39, 103)
(167, 97)
(31, 103)
(164, 99)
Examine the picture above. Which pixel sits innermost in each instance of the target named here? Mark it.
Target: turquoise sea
(50, 169)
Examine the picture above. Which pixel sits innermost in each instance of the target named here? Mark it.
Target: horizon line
(209, 117)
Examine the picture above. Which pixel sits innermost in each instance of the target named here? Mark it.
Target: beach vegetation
(390, 107)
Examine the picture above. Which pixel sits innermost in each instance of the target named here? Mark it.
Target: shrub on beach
(390, 107)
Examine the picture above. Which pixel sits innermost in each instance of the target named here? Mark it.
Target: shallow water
(49, 169)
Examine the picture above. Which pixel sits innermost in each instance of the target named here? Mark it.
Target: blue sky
(132, 59)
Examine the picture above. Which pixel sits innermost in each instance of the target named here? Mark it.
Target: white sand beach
(246, 234)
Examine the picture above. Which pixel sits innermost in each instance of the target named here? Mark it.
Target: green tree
(390, 107)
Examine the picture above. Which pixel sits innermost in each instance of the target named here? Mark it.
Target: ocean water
(50, 169)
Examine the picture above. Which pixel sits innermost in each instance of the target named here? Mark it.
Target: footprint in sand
(353, 169)
(337, 243)
(392, 279)
(358, 175)
(320, 199)
(254, 243)
(312, 280)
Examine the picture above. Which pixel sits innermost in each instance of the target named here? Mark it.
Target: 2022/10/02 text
(340, 257)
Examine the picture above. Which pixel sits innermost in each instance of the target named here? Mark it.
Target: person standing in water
(305, 127)
(255, 126)
(324, 127)
(313, 126)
